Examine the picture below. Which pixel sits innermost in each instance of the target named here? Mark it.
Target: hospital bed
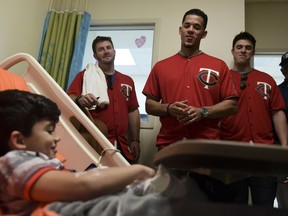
(226, 160)
(73, 146)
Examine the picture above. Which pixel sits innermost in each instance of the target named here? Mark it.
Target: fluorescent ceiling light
(124, 57)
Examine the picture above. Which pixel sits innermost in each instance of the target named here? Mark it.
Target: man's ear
(205, 34)
(16, 141)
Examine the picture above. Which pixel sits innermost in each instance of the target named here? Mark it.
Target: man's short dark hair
(100, 39)
(244, 36)
(197, 12)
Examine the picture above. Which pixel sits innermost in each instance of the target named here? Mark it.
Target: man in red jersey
(260, 104)
(190, 90)
(119, 111)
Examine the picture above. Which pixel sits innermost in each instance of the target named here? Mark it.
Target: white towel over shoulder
(94, 82)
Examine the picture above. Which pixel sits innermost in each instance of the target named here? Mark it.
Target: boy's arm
(66, 186)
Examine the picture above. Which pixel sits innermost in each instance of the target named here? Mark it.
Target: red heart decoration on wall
(140, 41)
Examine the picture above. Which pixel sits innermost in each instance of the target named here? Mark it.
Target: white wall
(22, 23)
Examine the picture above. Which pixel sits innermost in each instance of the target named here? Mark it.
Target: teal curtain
(64, 35)
(77, 59)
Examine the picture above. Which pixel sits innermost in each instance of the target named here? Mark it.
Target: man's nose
(243, 49)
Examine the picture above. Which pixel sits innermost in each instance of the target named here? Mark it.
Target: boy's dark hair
(244, 36)
(20, 110)
(197, 12)
(100, 39)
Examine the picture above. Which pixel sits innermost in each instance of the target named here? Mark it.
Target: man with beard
(117, 105)
(190, 91)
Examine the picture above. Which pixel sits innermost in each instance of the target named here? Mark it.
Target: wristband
(167, 109)
(77, 100)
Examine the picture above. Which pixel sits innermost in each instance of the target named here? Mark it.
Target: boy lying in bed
(30, 175)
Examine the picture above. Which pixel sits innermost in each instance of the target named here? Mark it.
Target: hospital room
(143, 34)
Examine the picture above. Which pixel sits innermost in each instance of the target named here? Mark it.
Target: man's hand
(135, 149)
(192, 115)
(177, 108)
(88, 100)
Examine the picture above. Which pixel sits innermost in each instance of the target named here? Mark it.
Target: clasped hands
(184, 113)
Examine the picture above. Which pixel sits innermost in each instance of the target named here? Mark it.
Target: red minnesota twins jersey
(122, 101)
(203, 80)
(257, 102)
